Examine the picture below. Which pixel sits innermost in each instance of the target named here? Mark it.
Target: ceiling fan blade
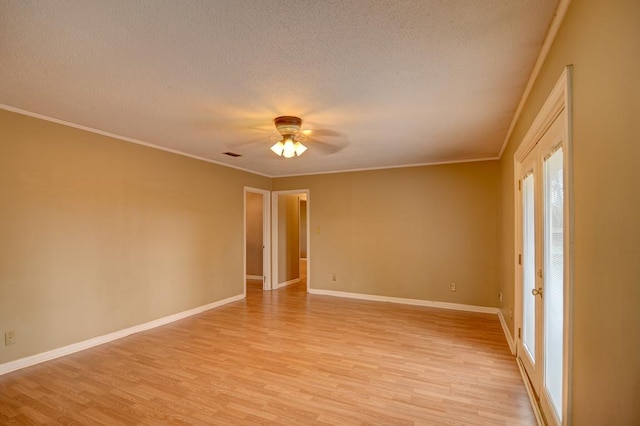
(326, 133)
(246, 143)
(326, 147)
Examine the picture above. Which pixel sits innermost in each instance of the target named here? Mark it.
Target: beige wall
(98, 234)
(406, 232)
(602, 41)
(288, 238)
(255, 230)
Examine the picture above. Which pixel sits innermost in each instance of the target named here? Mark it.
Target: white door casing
(274, 235)
(542, 164)
(266, 236)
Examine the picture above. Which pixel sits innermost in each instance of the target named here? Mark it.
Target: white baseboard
(86, 344)
(286, 283)
(253, 277)
(532, 398)
(507, 333)
(401, 300)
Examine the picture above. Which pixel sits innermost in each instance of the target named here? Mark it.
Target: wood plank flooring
(284, 357)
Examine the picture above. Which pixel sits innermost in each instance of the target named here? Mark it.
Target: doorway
(257, 234)
(303, 236)
(544, 253)
(290, 249)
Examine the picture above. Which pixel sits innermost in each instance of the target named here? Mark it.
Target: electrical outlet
(9, 338)
(453, 287)
(333, 276)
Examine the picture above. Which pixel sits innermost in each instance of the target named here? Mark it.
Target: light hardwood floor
(284, 357)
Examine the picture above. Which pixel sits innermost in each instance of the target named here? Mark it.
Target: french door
(542, 230)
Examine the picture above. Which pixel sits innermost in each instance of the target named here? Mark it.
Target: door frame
(528, 165)
(274, 234)
(266, 237)
(557, 105)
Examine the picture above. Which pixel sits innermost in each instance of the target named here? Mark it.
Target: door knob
(537, 291)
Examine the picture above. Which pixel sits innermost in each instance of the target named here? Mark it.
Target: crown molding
(122, 138)
(554, 27)
(403, 166)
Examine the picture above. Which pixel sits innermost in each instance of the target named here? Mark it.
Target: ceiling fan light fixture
(278, 148)
(289, 146)
(299, 148)
(289, 150)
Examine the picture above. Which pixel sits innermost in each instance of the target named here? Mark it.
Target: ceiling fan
(291, 140)
(289, 144)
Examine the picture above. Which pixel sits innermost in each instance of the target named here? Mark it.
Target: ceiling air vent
(232, 154)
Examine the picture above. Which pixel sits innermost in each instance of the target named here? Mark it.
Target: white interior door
(542, 269)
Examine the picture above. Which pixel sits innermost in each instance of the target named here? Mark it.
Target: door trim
(274, 235)
(557, 105)
(266, 236)
(531, 362)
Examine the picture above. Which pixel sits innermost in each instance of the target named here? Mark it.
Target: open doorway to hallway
(302, 213)
(290, 238)
(257, 218)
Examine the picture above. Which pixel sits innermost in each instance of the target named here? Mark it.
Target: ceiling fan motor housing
(288, 125)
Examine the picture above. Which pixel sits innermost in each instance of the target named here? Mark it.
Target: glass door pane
(553, 277)
(528, 267)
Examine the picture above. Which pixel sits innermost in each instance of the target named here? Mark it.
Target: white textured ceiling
(386, 83)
